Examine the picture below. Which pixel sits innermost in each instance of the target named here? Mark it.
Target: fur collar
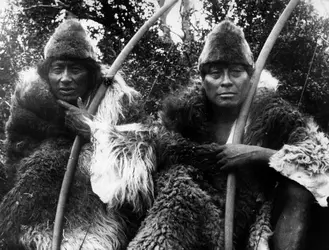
(32, 93)
(187, 112)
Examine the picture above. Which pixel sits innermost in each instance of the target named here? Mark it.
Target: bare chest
(222, 132)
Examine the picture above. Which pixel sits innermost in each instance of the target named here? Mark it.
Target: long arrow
(243, 115)
(71, 166)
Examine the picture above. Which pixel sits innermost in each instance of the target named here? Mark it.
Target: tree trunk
(186, 11)
(163, 23)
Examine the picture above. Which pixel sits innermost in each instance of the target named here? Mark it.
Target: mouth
(67, 91)
(227, 95)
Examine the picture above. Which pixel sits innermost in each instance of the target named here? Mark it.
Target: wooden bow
(71, 166)
(243, 115)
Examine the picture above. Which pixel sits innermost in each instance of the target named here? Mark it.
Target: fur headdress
(226, 43)
(69, 40)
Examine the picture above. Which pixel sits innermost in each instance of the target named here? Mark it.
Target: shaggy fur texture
(226, 43)
(184, 194)
(184, 216)
(260, 231)
(69, 41)
(123, 175)
(38, 149)
(3, 180)
(182, 210)
(307, 162)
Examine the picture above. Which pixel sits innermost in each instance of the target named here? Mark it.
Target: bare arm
(233, 156)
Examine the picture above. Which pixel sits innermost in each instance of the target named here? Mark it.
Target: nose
(226, 80)
(66, 77)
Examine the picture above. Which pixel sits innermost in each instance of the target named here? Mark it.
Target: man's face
(68, 80)
(226, 85)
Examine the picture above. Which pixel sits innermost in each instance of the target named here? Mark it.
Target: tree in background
(157, 64)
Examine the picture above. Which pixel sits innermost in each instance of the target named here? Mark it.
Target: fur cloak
(181, 208)
(188, 213)
(38, 145)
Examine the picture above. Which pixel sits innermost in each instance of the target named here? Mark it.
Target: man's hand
(233, 156)
(75, 117)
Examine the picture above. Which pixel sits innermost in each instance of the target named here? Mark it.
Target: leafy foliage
(156, 66)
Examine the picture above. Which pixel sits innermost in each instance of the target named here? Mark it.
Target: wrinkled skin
(226, 86)
(69, 83)
(68, 80)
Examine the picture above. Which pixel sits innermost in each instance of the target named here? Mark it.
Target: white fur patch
(307, 163)
(261, 231)
(102, 232)
(122, 165)
(28, 81)
(111, 109)
(123, 162)
(268, 81)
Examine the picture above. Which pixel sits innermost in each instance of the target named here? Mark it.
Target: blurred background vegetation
(158, 63)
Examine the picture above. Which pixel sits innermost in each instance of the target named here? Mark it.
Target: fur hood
(33, 93)
(70, 40)
(226, 43)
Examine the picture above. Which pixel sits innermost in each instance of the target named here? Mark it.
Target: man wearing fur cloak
(40, 131)
(182, 209)
(188, 212)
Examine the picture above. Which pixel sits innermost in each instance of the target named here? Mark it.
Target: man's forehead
(62, 62)
(222, 65)
(225, 64)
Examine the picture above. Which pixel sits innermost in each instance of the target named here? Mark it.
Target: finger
(220, 156)
(80, 103)
(65, 104)
(225, 168)
(221, 162)
(221, 147)
(208, 151)
(206, 154)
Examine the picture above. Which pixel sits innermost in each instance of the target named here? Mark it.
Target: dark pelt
(272, 122)
(226, 43)
(187, 112)
(38, 145)
(183, 215)
(38, 180)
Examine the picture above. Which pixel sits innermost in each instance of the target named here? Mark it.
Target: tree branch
(171, 31)
(44, 6)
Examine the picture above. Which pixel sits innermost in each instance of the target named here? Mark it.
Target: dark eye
(77, 70)
(215, 72)
(216, 75)
(56, 70)
(236, 71)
